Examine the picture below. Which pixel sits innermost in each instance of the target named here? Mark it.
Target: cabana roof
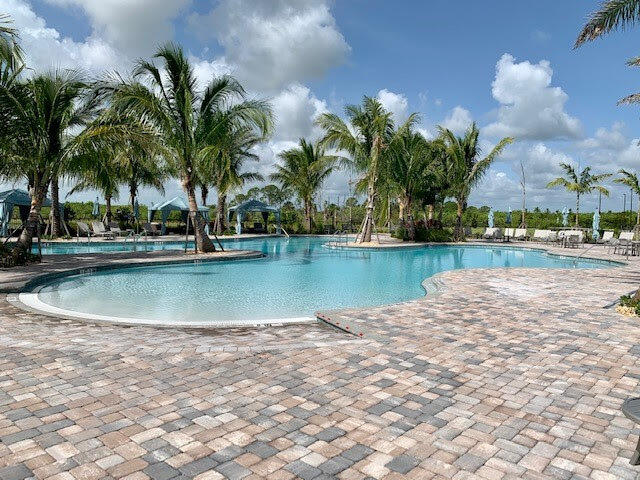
(176, 203)
(19, 197)
(253, 206)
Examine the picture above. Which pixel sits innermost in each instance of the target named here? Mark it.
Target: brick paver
(506, 373)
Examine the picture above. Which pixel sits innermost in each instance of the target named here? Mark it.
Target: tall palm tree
(189, 121)
(40, 112)
(304, 169)
(225, 170)
(466, 168)
(612, 15)
(410, 173)
(580, 183)
(366, 138)
(632, 181)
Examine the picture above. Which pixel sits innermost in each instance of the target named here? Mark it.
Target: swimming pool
(297, 277)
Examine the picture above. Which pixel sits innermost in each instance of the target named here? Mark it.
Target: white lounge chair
(607, 237)
(115, 228)
(83, 230)
(520, 234)
(540, 235)
(493, 233)
(624, 243)
(509, 233)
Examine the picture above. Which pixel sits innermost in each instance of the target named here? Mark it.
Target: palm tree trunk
(56, 224)
(204, 191)
(23, 245)
(638, 218)
(430, 209)
(308, 216)
(221, 217)
(577, 210)
(108, 214)
(203, 242)
(133, 191)
(411, 226)
(458, 234)
(401, 210)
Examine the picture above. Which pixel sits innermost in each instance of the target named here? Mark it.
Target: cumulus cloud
(46, 48)
(530, 108)
(273, 43)
(135, 27)
(458, 120)
(396, 103)
(296, 109)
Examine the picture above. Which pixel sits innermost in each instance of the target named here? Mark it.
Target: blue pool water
(296, 278)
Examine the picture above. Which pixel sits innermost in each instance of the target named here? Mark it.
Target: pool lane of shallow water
(296, 278)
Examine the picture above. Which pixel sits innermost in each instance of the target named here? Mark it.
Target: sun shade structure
(176, 204)
(254, 206)
(16, 198)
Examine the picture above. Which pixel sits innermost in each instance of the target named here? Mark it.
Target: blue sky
(504, 64)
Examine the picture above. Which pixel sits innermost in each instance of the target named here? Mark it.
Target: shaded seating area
(176, 204)
(254, 206)
(10, 199)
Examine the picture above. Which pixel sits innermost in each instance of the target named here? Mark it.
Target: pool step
(343, 323)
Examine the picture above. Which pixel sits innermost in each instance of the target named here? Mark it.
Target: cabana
(254, 206)
(176, 204)
(15, 198)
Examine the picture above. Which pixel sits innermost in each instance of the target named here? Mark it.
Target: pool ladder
(338, 236)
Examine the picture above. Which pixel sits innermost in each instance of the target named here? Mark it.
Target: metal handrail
(285, 232)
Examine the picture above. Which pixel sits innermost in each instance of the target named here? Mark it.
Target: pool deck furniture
(540, 235)
(631, 409)
(520, 234)
(83, 230)
(533, 389)
(115, 228)
(493, 233)
(624, 245)
(99, 230)
(150, 229)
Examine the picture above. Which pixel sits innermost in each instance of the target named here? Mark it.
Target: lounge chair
(607, 238)
(150, 229)
(83, 230)
(624, 244)
(115, 228)
(509, 233)
(540, 235)
(492, 233)
(100, 231)
(520, 234)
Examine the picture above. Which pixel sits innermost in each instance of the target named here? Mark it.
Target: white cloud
(272, 43)
(458, 120)
(530, 108)
(607, 139)
(296, 109)
(132, 26)
(396, 103)
(47, 49)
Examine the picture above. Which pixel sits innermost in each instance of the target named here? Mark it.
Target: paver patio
(506, 373)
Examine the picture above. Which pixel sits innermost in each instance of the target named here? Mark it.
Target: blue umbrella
(509, 216)
(490, 221)
(596, 225)
(96, 209)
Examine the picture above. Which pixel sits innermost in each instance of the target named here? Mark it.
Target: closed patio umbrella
(509, 216)
(596, 225)
(565, 216)
(490, 221)
(96, 209)
(136, 210)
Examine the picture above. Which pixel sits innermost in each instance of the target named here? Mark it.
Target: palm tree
(40, 112)
(410, 173)
(11, 55)
(612, 15)
(632, 181)
(304, 170)
(580, 183)
(465, 168)
(365, 139)
(223, 169)
(190, 122)
(99, 172)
